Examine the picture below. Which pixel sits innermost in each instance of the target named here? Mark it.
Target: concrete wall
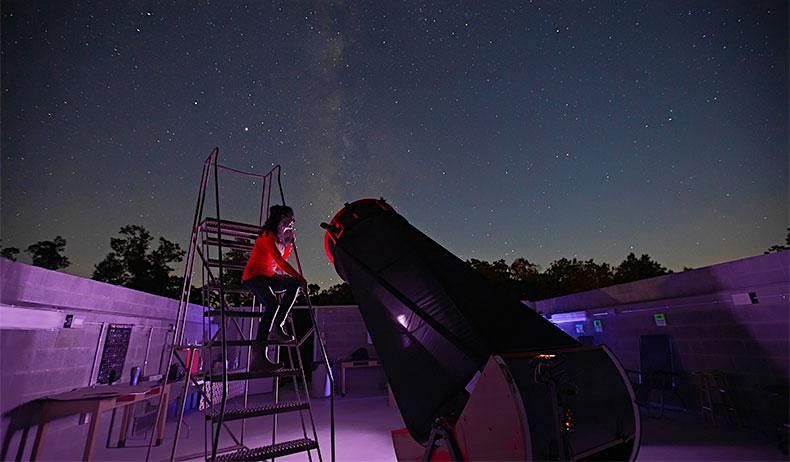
(709, 316)
(344, 332)
(37, 363)
(711, 319)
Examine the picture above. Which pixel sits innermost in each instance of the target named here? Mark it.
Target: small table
(94, 401)
(353, 364)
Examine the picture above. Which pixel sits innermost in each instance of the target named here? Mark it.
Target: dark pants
(274, 311)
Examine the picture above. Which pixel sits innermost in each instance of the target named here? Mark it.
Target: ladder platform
(268, 409)
(226, 265)
(254, 375)
(228, 244)
(270, 452)
(230, 228)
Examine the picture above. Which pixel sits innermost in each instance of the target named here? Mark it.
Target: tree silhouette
(313, 290)
(48, 254)
(498, 271)
(528, 282)
(634, 269)
(525, 281)
(232, 280)
(780, 247)
(133, 263)
(523, 270)
(571, 276)
(9, 252)
(338, 294)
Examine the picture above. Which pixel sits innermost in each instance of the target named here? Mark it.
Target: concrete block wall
(37, 363)
(344, 331)
(711, 322)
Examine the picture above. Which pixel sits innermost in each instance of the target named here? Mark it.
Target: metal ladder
(210, 237)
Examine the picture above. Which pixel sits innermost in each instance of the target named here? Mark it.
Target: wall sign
(116, 344)
(660, 319)
(579, 328)
(598, 325)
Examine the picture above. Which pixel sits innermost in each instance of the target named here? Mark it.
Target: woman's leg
(259, 286)
(290, 287)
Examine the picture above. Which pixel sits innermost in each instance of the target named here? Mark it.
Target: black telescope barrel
(434, 321)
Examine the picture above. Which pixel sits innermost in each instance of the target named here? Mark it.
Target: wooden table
(94, 401)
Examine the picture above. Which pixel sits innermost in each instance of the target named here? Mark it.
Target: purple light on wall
(573, 316)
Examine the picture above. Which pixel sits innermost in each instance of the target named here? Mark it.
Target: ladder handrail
(183, 303)
(320, 342)
(325, 357)
(224, 399)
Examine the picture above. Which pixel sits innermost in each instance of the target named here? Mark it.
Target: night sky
(536, 129)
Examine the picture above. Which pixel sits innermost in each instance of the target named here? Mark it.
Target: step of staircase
(241, 343)
(226, 265)
(233, 313)
(268, 409)
(229, 288)
(230, 228)
(270, 452)
(229, 244)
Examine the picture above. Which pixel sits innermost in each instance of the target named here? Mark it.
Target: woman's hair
(276, 213)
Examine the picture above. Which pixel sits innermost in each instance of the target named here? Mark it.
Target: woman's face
(285, 229)
(286, 223)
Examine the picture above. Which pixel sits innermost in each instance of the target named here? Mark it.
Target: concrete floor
(363, 425)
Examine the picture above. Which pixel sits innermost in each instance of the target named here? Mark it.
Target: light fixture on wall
(747, 298)
(572, 316)
(15, 318)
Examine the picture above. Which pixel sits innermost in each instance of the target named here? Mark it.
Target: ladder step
(233, 313)
(229, 288)
(226, 265)
(179, 346)
(268, 409)
(228, 244)
(254, 375)
(270, 452)
(236, 343)
(230, 228)
(231, 343)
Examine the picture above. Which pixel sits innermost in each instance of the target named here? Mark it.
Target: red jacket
(265, 259)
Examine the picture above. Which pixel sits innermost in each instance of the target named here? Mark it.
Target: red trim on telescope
(346, 217)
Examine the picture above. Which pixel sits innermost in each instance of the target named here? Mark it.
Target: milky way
(506, 129)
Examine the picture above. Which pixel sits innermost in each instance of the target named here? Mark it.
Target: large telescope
(476, 374)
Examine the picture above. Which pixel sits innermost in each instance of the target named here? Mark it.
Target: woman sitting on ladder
(267, 273)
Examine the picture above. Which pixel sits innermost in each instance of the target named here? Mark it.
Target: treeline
(526, 281)
(135, 262)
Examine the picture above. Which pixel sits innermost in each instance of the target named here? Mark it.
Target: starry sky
(585, 129)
